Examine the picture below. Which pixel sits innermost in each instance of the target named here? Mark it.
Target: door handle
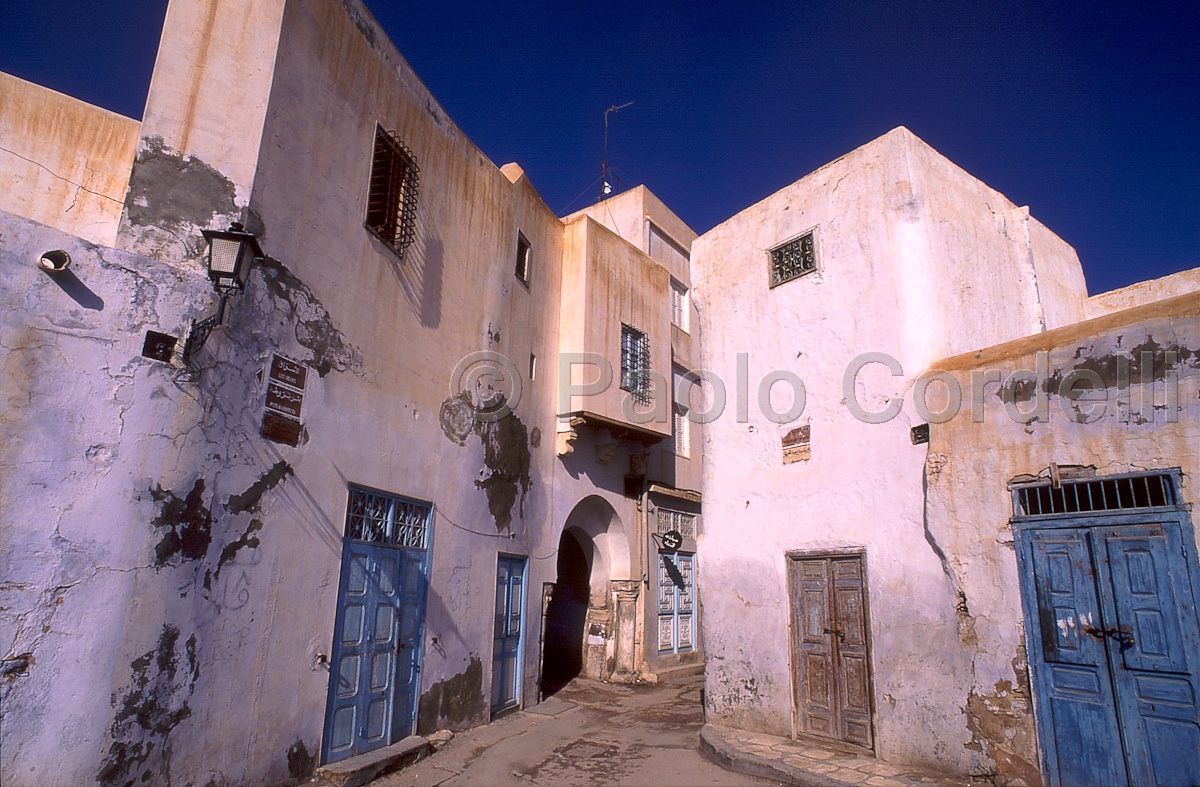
(840, 634)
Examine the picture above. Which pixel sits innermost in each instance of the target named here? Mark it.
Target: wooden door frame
(794, 645)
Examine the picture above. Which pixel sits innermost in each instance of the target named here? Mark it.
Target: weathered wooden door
(830, 649)
(375, 660)
(1116, 650)
(508, 631)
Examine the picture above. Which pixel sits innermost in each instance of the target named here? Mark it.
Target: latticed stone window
(681, 521)
(392, 196)
(793, 259)
(635, 363)
(387, 519)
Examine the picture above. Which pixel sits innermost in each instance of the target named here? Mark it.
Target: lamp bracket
(198, 332)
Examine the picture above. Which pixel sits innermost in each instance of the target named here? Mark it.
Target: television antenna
(605, 186)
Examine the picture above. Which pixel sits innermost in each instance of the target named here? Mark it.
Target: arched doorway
(581, 619)
(562, 657)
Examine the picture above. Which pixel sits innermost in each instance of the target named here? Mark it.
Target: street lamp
(230, 253)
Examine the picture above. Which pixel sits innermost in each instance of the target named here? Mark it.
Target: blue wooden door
(1116, 652)
(508, 628)
(376, 651)
(676, 586)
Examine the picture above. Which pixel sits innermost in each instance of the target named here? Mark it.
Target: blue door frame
(376, 656)
(1109, 600)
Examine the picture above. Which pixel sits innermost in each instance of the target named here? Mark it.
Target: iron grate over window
(793, 259)
(635, 364)
(387, 519)
(1109, 494)
(392, 197)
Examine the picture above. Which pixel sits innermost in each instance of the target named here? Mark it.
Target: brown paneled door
(831, 660)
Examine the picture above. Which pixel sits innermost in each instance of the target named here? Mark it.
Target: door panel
(851, 632)
(833, 685)
(1075, 679)
(676, 581)
(1148, 598)
(1115, 652)
(507, 628)
(373, 686)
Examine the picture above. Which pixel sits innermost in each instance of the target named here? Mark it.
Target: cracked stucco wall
(969, 464)
(63, 162)
(918, 260)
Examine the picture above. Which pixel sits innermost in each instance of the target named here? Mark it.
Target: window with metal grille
(1156, 490)
(793, 259)
(387, 519)
(679, 306)
(680, 521)
(523, 247)
(635, 363)
(392, 196)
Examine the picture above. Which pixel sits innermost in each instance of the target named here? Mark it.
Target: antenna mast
(605, 186)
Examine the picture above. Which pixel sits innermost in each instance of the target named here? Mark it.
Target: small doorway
(566, 613)
(376, 655)
(508, 631)
(1107, 572)
(831, 660)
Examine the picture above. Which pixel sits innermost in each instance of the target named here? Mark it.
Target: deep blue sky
(1087, 112)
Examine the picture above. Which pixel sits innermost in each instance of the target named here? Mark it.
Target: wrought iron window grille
(392, 196)
(1117, 493)
(387, 519)
(793, 259)
(635, 364)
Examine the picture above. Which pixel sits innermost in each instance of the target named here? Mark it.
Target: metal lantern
(230, 253)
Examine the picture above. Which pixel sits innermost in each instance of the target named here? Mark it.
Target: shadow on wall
(420, 272)
(456, 702)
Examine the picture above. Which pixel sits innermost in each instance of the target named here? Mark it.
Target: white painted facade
(918, 261)
(171, 577)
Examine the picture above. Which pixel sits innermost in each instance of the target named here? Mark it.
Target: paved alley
(590, 733)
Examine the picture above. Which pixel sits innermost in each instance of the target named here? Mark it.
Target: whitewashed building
(226, 562)
(973, 425)
(441, 452)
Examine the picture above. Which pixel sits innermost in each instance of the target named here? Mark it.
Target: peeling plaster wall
(916, 259)
(175, 590)
(89, 428)
(63, 163)
(202, 127)
(390, 421)
(968, 465)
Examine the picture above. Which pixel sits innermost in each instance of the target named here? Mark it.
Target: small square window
(523, 247)
(679, 306)
(392, 196)
(793, 259)
(635, 363)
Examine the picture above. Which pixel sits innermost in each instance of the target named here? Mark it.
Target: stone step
(673, 674)
(364, 768)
